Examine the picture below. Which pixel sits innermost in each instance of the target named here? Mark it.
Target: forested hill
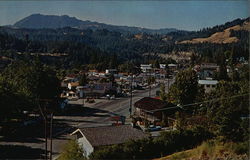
(83, 46)
(39, 21)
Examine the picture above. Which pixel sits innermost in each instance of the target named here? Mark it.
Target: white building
(172, 66)
(111, 71)
(208, 85)
(91, 139)
(146, 67)
(162, 66)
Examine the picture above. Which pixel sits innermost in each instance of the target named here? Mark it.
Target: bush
(72, 151)
(241, 148)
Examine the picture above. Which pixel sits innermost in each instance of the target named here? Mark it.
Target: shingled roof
(108, 135)
(148, 103)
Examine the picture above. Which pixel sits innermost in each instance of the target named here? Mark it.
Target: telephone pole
(45, 135)
(150, 80)
(131, 95)
(44, 115)
(51, 134)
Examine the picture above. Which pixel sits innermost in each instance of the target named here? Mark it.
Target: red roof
(148, 103)
(157, 98)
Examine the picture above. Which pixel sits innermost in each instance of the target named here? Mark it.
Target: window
(207, 85)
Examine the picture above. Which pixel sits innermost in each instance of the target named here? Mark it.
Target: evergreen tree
(222, 75)
(163, 95)
(226, 112)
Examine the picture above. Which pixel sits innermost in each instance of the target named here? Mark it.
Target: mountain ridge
(39, 21)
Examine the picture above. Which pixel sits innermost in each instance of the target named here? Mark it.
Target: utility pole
(44, 115)
(45, 135)
(51, 134)
(45, 132)
(149, 93)
(150, 73)
(131, 95)
(82, 101)
(168, 84)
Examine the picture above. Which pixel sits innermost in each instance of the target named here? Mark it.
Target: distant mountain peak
(38, 21)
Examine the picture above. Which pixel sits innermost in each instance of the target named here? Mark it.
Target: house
(96, 89)
(162, 66)
(68, 80)
(80, 91)
(207, 70)
(208, 84)
(111, 71)
(146, 68)
(172, 66)
(146, 109)
(73, 85)
(209, 66)
(69, 95)
(93, 72)
(90, 139)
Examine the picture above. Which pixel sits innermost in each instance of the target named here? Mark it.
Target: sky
(180, 14)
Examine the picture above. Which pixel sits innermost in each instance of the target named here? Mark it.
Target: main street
(97, 115)
(101, 113)
(93, 115)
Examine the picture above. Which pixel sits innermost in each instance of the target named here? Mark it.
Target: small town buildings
(111, 71)
(172, 66)
(206, 70)
(73, 85)
(146, 109)
(209, 66)
(163, 66)
(92, 72)
(68, 80)
(146, 68)
(80, 91)
(94, 90)
(90, 139)
(208, 84)
(69, 94)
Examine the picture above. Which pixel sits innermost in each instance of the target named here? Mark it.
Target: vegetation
(163, 94)
(226, 112)
(213, 150)
(71, 151)
(33, 58)
(167, 143)
(185, 88)
(23, 85)
(106, 49)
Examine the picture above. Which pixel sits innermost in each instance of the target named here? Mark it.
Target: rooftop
(148, 103)
(212, 82)
(172, 65)
(108, 135)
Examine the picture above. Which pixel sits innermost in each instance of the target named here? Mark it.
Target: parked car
(154, 128)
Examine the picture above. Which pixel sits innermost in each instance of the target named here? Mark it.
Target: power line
(191, 104)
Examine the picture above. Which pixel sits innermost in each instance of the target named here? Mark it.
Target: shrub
(72, 151)
(148, 148)
(241, 148)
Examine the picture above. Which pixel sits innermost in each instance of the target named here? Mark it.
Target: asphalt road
(93, 116)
